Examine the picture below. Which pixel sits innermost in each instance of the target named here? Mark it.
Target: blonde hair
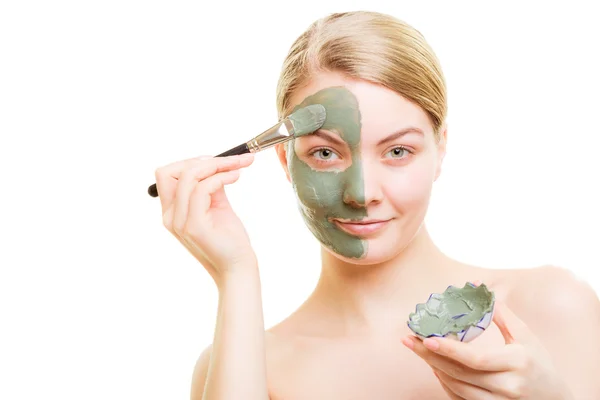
(369, 46)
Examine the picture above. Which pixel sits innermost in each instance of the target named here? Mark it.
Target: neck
(367, 299)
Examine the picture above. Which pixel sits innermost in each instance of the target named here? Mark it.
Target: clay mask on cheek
(321, 194)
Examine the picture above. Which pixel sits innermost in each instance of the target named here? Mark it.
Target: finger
(513, 329)
(174, 169)
(221, 164)
(186, 184)
(200, 200)
(168, 219)
(448, 391)
(166, 179)
(199, 171)
(450, 367)
(504, 360)
(464, 390)
(490, 359)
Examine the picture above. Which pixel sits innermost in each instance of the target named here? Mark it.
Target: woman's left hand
(520, 369)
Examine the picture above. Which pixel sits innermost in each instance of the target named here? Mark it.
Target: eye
(398, 152)
(323, 154)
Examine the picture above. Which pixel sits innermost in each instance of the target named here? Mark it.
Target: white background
(98, 301)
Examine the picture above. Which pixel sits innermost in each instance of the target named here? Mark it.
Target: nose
(362, 187)
(354, 192)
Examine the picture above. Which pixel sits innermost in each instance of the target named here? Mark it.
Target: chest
(360, 373)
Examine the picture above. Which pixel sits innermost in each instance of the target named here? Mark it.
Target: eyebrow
(336, 138)
(329, 136)
(400, 133)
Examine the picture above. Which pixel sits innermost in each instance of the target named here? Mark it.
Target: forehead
(382, 111)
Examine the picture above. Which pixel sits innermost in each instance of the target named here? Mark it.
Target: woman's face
(363, 181)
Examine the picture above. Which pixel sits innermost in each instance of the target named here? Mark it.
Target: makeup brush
(302, 122)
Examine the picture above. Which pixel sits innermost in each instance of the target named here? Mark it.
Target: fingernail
(431, 344)
(408, 343)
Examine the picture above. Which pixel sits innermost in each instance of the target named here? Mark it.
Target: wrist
(242, 273)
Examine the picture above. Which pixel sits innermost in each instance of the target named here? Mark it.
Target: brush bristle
(308, 119)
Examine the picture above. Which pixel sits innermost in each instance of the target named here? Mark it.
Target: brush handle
(235, 151)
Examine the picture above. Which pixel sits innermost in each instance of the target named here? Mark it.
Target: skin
(350, 340)
(324, 194)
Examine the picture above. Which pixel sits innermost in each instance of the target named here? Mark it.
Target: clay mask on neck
(321, 194)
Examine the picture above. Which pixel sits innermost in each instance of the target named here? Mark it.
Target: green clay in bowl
(458, 313)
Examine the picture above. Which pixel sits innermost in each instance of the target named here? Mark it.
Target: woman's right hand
(197, 212)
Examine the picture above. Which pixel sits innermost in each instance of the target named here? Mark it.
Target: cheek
(316, 190)
(409, 189)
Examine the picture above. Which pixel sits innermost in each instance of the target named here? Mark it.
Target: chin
(378, 251)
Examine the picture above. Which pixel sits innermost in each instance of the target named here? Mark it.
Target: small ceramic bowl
(459, 313)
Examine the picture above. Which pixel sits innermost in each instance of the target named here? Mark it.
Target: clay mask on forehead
(321, 193)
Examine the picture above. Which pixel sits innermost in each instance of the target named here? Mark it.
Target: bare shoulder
(548, 295)
(561, 310)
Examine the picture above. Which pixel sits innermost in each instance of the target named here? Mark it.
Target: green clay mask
(321, 193)
(454, 311)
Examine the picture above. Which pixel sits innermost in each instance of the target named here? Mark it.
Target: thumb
(513, 329)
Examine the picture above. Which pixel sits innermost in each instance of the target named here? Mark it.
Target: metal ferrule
(279, 133)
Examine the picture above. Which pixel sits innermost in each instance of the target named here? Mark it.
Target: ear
(441, 150)
(282, 155)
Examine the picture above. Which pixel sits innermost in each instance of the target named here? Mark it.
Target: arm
(195, 209)
(234, 367)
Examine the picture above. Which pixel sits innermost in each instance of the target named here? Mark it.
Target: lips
(361, 228)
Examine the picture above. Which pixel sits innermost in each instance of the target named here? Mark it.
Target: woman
(363, 184)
